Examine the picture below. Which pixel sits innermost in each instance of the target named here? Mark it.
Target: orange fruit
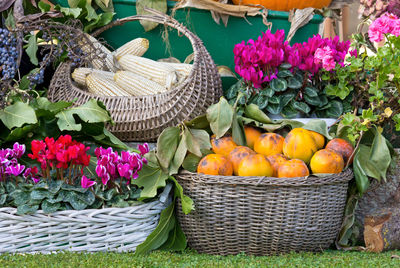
(215, 164)
(269, 144)
(255, 165)
(326, 161)
(342, 147)
(276, 160)
(292, 169)
(223, 145)
(319, 139)
(300, 144)
(237, 155)
(252, 135)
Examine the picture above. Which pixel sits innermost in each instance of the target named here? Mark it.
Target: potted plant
(289, 81)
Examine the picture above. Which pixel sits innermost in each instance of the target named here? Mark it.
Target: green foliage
(160, 5)
(290, 95)
(52, 195)
(41, 118)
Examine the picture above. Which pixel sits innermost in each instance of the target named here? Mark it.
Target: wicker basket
(108, 229)
(144, 118)
(263, 216)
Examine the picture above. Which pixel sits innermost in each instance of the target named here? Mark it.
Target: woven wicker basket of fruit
(143, 96)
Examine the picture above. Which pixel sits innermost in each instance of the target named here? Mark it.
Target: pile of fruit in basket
(129, 73)
(272, 155)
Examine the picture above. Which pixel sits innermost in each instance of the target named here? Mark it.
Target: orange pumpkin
(285, 5)
(215, 164)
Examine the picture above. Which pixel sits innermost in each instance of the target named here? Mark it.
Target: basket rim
(312, 180)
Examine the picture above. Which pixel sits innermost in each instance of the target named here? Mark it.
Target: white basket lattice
(108, 229)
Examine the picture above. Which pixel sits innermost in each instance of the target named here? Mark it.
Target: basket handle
(156, 16)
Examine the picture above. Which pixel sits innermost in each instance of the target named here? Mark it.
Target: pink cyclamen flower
(325, 56)
(15, 170)
(18, 149)
(144, 149)
(86, 182)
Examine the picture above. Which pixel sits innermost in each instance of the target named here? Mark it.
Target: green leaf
(91, 12)
(166, 146)
(178, 157)
(238, 134)
(274, 108)
(3, 198)
(289, 112)
(285, 65)
(301, 106)
(44, 7)
(32, 49)
(220, 116)
(253, 111)
(105, 5)
(76, 202)
(55, 186)
(40, 194)
(274, 100)
(20, 197)
(88, 197)
(262, 101)
(380, 156)
(74, 12)
(199, 122)
(284, 99)
(150, 179)
(17, 115)
(318, 126)
(191, 162)
(160, 235)
(294, 83)
(279, 85)
(269, 92)
(160, 5)
(311, 92)
(74, 3)
(27, 209)
(75, 188)
(284, 73)
(186, 201)
(90, 112)
(192, 144)
(176, 240)
(202, 137)
(20, 133)
(49, 207)
(335, 110)
(314, 101)
(361, 178)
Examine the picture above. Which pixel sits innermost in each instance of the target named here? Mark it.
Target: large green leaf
(202, 137)
(318, 126)
(176, 240)
(90, 112)
(220, 116)
(150, 179)
(252, 111)
(160, 5)
(192, 143)
(20, 132)
(191, 162)
(294, 83)
(360, 175)
(167, 143)
(301, 106)
(199, 122)
(178, 157)
(160, 235)
(279, 85)
(32, 49)
(238, 134)
(186, 201)
(17, 115)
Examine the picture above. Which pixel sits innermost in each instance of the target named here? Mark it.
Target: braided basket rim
(312, 180)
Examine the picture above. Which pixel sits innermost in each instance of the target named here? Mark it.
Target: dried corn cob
(99, 64)
(79, 74)
(150, 69)
(98, 84)
(137, 85)
(136, 47)
(182, 69)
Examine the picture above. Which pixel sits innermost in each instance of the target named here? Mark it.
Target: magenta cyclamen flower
(325, 56)
(86, 182)
(15, 169)
(9, 165)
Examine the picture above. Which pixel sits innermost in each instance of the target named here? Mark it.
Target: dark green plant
(291, 95)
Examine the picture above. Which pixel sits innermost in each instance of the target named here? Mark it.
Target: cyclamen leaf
(27, 209)
(294, 83)
(279, 85)
(220, 116)
(49, 207)
(17, 115)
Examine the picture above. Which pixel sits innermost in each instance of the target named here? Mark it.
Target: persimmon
(223, 145)
(255, 165)
(292, 169)
(215, 164)
(326, 161)
(269, 144)
(237, 155)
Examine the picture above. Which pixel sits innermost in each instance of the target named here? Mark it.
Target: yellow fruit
(342, 147)
(326, 161)
(255, 165)
(276, 160)
(223, 145)
(319, 139)
(252, 135)
(299, 144)
(237, 155)
(215, 164)
(269, 144)
(292, 169)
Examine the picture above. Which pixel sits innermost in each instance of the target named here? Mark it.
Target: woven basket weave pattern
(144, 118)
(262, 216)
(109, 229)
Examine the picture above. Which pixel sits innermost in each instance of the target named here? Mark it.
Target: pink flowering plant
(286, 79)
(59, 175)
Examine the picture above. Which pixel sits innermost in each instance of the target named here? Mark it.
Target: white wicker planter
(109, 229)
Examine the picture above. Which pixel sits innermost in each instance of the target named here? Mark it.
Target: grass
(192, 259)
